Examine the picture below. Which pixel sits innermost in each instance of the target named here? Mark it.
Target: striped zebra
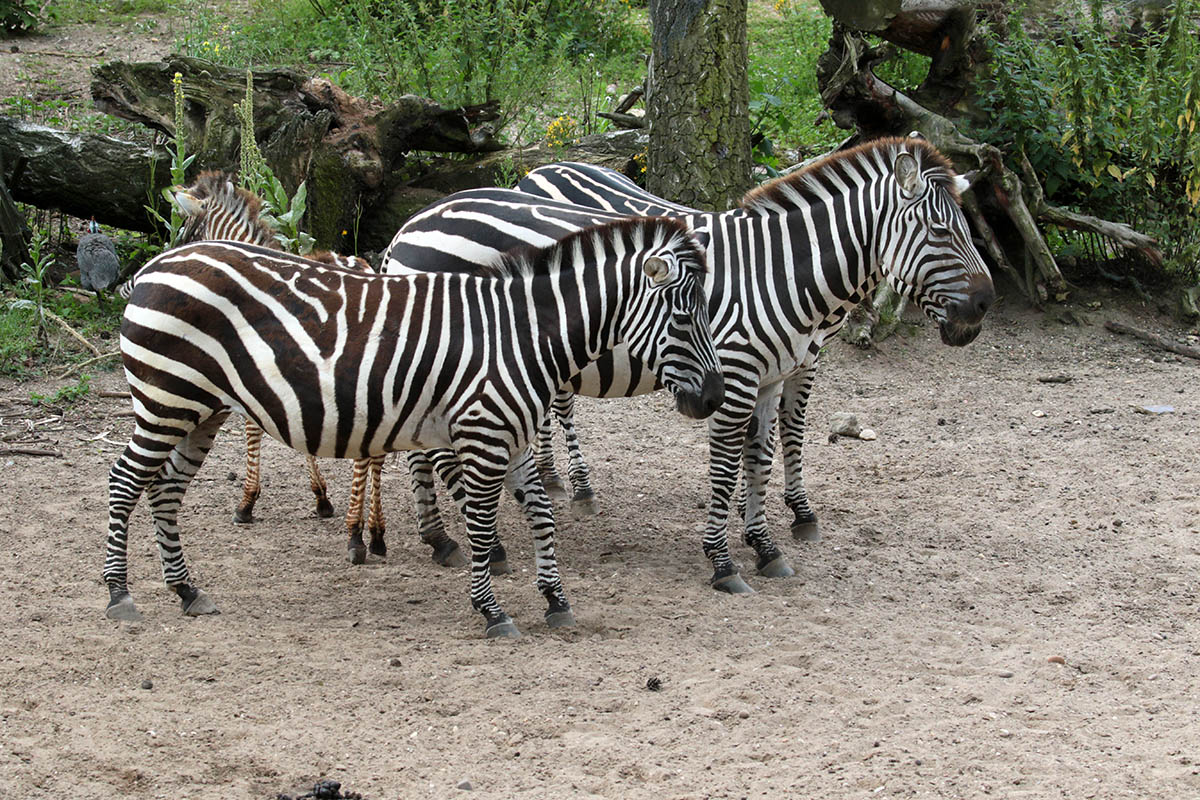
(787, 267)
(338, 363)
(214, 208)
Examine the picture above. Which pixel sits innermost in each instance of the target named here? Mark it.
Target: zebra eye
(937, 231)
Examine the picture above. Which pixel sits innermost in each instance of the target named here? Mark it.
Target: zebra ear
(963, 182)
(908, 175)
(657, 269)
(190, 204)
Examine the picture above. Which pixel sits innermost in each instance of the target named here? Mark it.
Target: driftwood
(1161, 342)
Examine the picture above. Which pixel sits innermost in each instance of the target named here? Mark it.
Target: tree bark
(698, 102)
(14, 233)
(84, 175)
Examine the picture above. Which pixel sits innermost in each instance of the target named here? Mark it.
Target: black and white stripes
(786, 269)
(337, 363)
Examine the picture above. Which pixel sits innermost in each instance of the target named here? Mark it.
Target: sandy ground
(1004, 604)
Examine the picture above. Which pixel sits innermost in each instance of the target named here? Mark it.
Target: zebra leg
(356, 549)
(479, 487)
(252, 484)
(376, 524)
(583, 502)
(792, 408)
(524, 483)
(429, 521)
(164, 495)
(446, 463)
(544, 455)
(320, 489)
(758, 451)
(727, 433)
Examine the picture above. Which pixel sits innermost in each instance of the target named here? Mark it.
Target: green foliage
(785, 42)
(257, 176)
(180, 161)
(1123, 108)
(19, 16)
(66, 395)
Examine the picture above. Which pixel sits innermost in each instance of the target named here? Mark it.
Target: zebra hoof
(560, 619)
(732, 584)
(195, 602)
(122, 608)
(243, 516)
(450, 556)
(324, 508)
(806, 531)
(501, 628)
(583, 505)
(356, 555)
(777, 567)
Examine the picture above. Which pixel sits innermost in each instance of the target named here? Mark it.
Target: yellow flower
(344, 232)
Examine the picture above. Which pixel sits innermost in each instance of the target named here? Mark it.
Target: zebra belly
(615, 374)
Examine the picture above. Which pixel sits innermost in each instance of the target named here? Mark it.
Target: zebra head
(667, 326)
(213, 208)
(926, 249)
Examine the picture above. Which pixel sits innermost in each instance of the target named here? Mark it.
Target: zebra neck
(578, 318)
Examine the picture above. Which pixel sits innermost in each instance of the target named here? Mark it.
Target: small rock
(466, 786)
(1004, 673)
(1054, 379)
(232, 476)
(868, 435)
(36, 617)
(743, 714)
(1056, 660)
(395, 662)
(1005, 734)
(1154, 409)
(1039, 413)
(147, 684)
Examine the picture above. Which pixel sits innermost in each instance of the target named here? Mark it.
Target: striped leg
(320, 490)
(727, 435)
(450, 471)
(544, 456)
(160, 462)
(429, 520)
(356, 550)
(479, 486)
(252, 484)
(583, 502)
(526, 487)
(758, 452)
(792, 408)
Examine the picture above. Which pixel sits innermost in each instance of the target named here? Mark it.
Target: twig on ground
(29, 451)
(99, 357)
(113, 395)
(1160, 342)
(78, 336)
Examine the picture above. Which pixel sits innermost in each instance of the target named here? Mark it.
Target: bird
(97, 260)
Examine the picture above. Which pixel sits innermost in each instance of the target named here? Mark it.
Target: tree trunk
(698, 102)
(83, 174)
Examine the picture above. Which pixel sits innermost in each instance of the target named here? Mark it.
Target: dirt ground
(1004, 604)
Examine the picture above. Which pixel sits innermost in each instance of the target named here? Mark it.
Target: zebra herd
(498, 305)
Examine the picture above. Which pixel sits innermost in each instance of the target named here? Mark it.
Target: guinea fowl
(97, 260)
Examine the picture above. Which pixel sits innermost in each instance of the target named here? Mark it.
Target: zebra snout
(981, 294)
(702, 403)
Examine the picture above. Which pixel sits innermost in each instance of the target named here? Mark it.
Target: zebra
(339, 363)
(214, 208)
(787, 266)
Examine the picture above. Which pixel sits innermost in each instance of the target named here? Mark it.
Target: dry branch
(1161, 342)
(30, 451)
(74, 333)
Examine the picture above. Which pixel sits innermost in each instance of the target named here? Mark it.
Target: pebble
(868, 435)
(395, 662)
(147, 684)
(1039, 413)
(1056, 660)
(743, 714)
(1004, 673)
(466, 786)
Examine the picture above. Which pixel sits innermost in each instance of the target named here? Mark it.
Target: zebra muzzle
(702, 403)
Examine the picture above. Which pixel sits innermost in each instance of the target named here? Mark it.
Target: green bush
(18, 16)
(1107, 117)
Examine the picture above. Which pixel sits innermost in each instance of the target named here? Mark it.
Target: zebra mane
(782, 191)
(529, 260)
